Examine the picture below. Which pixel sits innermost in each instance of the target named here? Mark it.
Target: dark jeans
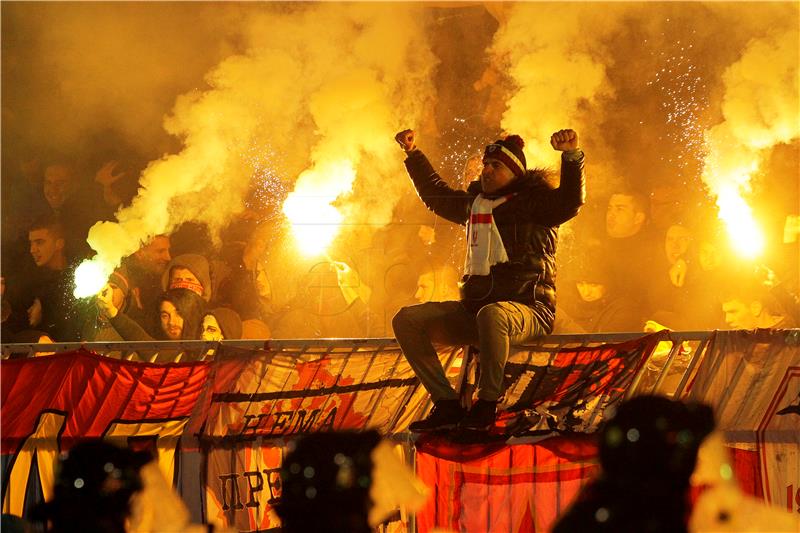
(494, 329)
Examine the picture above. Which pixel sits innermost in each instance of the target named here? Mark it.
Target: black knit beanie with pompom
(508, 150)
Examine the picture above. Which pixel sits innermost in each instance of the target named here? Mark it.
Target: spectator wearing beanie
(98, 328)
(508, 292)
(188, 271)
(220, 324)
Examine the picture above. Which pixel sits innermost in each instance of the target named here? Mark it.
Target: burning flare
(746, 236)
(727, 174)
(315, 221)
(90, 276)
(760, 107)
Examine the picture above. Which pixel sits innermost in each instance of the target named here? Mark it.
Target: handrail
(662, 374)
(295, 344)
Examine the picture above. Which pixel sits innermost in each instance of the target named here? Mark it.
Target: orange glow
(90, 276)
(315, 220)
(746, 236)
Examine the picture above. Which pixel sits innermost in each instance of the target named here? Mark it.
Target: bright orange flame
(746, 236)
(90, 276)
(315, 221)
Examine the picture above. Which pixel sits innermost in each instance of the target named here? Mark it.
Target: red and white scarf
(484, 245)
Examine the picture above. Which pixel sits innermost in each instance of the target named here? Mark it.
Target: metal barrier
(668, 371)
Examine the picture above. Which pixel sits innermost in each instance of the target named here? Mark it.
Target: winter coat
(528, 225)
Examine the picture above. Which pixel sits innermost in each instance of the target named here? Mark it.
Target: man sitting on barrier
(508, 288)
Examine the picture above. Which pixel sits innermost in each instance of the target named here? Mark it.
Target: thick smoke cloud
(556, 57)
(761, 109)
(282, 93)
(74, 69)
(643, 82)
(327, 84)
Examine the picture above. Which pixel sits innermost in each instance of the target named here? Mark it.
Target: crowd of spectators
(676, 272)
(680, 274)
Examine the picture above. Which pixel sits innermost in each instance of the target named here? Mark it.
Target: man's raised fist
(406, 140)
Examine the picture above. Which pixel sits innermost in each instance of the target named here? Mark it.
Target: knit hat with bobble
(508, 151)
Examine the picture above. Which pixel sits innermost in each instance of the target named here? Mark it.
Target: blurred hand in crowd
(427, 234)
(350, 283)
(105, 302)
(677, 272)
(35, 313)
(767, 276)
(105, 176)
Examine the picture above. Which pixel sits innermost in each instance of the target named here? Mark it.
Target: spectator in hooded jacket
(143, 270)
(98, 328)
(188, 271)
(593, 307)
(94, 487)
(221, 324)
(648, 451)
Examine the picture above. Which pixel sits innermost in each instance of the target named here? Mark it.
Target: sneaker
(481, 417)
(446, 414)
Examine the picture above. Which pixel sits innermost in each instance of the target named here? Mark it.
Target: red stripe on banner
(93, 392)
(747, 469)
(520, 488)
(481, 218)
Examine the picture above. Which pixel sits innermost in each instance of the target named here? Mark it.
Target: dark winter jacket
(528, 225)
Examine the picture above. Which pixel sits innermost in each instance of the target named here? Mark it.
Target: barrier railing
(668, 371)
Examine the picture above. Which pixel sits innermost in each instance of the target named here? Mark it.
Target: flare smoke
(331, 81)
(761, 109)
(553, 54)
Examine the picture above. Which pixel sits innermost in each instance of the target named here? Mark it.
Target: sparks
(269, 183)
(684, 103)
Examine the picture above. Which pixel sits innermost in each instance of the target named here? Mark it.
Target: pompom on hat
(508, 150)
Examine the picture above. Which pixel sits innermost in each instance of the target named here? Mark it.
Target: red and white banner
(219, 427)
(752, 380)
(514, 489)
(259, 398)
(50, 402)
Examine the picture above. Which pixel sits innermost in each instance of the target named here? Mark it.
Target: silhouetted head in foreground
(94, 485)
(648, 451)
(326, 480)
